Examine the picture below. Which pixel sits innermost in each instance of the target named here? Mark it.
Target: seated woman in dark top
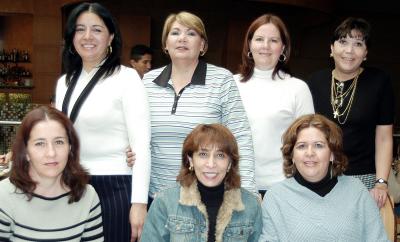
(209, 204)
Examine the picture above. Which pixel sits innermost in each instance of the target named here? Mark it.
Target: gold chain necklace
(338, 96)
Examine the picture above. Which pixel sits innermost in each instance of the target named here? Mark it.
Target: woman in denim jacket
(209, 204)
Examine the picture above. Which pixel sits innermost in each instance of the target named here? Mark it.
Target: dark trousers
(115, 198)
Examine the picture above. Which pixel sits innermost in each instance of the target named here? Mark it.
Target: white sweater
(271, 106)
(114, 116)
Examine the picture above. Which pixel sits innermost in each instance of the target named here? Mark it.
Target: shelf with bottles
(13, 71)
(14, 56)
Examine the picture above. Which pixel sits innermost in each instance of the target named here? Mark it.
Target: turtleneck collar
(262, 74)
(322, 187)
(211, 195)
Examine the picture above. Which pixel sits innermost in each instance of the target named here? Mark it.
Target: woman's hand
(5, 158)
(379, 193)
(137, 216)
(130, 157)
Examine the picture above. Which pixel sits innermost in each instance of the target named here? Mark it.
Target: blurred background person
(318, 203)
(108, 104)
(272, 98)
(187, 92)
(46, 197)
(361, 101)
(209, 204)
(141, 56)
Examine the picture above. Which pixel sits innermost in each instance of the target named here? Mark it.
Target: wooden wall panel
(134, 30)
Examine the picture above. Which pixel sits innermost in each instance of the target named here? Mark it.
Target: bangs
(211, 139)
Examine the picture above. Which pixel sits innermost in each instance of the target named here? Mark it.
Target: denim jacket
(178, 214)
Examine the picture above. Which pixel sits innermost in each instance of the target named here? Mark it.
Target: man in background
(141, 56)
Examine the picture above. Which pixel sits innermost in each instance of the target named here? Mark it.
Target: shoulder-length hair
(349, 24)
(333, 135)
(246, 68)
(189, 20)
(74, 176)
(72, 62)
(217, 136)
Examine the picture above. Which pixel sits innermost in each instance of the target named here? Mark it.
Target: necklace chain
(338, 97)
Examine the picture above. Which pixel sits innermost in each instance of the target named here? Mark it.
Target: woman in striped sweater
(46, 197)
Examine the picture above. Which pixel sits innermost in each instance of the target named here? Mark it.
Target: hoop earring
(166, 51)
(282, 59)
(202, 53)
(331, 169)
(191, 168)
(109, 50)
(250, 55)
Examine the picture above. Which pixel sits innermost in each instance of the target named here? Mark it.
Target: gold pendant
(335, 114)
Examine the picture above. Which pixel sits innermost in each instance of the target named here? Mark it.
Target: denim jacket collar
(190, 196)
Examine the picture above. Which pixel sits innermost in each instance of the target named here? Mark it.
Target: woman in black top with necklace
(360, 100)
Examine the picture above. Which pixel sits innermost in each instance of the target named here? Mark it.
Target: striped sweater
(211, 97)
(49, 219)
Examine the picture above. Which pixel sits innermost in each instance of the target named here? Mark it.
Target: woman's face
(266, 46)
(311, 154)
(210, 165)
(92, 38)
(47, 151)
(183, 43)
(348, 53)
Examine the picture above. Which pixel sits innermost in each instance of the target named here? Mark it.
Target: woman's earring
(229, 167)
(109, 49)
(282, 57)
(166, 51)
(365, 58)
(331, 55)
(191, 168)
(250, 55)
(202, 52)
(331, 169)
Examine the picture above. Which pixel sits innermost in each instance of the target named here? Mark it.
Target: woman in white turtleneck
(272, 98)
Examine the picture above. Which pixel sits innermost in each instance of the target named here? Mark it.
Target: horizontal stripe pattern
(51, 219)
(218, 101)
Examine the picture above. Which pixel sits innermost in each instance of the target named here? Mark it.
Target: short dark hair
(219, 136)
(74, 175)
(72, 62)
(349, 24)
(333, 135)
(138, 51)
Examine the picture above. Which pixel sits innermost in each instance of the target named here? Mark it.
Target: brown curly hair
(333, 135)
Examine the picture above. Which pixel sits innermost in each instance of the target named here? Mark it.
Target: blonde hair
(187, 19)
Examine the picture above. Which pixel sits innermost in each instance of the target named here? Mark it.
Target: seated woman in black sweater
(209, 204)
